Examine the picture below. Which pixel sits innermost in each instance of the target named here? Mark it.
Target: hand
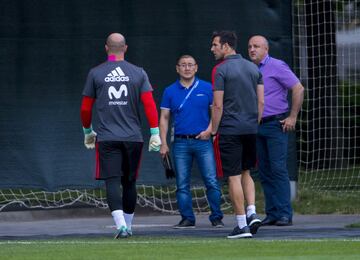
(204, 135)
(155, 141)
(288, 124)
(89, 138)
(164, 149)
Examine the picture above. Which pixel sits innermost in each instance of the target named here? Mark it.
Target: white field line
(143, 225)
(162, 241)
(122, 241)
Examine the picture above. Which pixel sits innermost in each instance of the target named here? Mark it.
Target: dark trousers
(272, 145)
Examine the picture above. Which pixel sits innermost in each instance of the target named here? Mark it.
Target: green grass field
(179, 248)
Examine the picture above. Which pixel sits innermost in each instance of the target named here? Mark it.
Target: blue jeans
(184, 151)
(271, 147)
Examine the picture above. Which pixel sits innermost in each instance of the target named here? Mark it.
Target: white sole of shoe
(254, 221)
(184, 227)
(244, 235)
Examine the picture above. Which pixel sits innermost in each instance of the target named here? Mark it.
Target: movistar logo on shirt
(116, 75)
(117, 94)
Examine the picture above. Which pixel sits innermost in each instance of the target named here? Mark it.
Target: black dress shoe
(283, 221)
(268, 222)
(184, 223)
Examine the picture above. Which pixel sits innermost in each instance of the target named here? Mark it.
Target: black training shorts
(117, 158)
(234, 154)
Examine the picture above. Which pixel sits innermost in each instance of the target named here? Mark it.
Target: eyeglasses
(184, 65)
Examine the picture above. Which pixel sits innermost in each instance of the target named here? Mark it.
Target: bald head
(115, 44)
(258, 48)
(260, 39)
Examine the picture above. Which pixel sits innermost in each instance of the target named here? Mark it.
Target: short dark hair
(228, 37)
(185, 56)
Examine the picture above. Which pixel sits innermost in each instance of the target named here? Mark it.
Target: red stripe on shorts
(97, 162)
(219, 171)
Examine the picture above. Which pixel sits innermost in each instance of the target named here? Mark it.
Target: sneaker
(240, 232)
(254, 223)
(184, 223)
(217, 223)
(121, 233)
(129, 232)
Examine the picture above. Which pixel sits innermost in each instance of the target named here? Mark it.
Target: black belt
(273, 118)
(186, 136)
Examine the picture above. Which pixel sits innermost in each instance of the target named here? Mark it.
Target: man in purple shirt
(272, 138)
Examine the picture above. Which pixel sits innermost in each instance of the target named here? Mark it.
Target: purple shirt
(278, 78)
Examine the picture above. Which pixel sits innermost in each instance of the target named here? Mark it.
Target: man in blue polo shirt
(188, 101)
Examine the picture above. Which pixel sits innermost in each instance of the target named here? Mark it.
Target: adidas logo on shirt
(116, 75)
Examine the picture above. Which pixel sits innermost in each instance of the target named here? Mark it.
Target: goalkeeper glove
(89, 138)
(155, 142)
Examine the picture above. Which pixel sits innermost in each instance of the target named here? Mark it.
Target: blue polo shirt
(194, 116)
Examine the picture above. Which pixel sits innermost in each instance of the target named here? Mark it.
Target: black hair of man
(228, 37)
(185, 56)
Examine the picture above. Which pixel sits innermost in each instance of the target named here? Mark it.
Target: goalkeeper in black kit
(118, 87)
